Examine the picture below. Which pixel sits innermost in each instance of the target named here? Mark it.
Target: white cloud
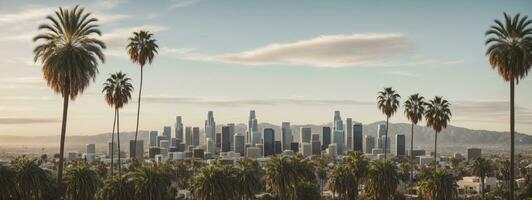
(403, 73)
(183, 3)
(325, 51)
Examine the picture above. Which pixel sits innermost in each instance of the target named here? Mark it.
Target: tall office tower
(325, 137)
(210, 146)
(349, 133)
(381, 132)
(113, 149)
(164, 147)
(239, 141)
(358, 137)
(305, 135)
(251, 126)
(306, 149)
(210, 126)
(195, 136)
(286, 135)
(90, 148)
(370, 144)
(338, 132)
(178, 129)
(226, 139)
(188, 136)
(137, 152)
(473, 153)
(278, 147)
(167, 132)
(400, 142)
(232, 135)
(268, 141)
(153, 139)
(218, 141)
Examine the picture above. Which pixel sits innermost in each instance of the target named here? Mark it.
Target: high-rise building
(278, 147)
(306, 149)
(305, 135)
(232, 134)
(253, 152)
(269, 141)
(210, 126)
(370, 144)
(316, 147)
(90, 148)
(195, 136)
(381, 129)
(325, 137)
(338, 132)
(188, 136)
(226, 139)
(167, 132)
(239, 141)
(218, 141)
(357, 137)
(253, 129)
(294, 146)
(209, 146)
(137, 152)
(153, 139)
(400, 142)
(159, 138)
(178, 128)
(473, 153)
(349, 134)
(286, 135)
(165, 144)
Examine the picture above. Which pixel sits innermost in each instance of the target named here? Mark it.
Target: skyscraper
(210, 126)
(370, 144)
(232, 135)
(253, 129)
(357, 137)
(139, 151)
(167, 132)
(381, 129)
(400, 144)
(178, 130)
(278, 147)
(349, 133)
(286, 135)
(239, 141)
(325, 137)
(305, 135)
(338, 132)
(153, 138)
(210, 146)
(195, 136)
(226, 139)
(188, 136)
(268, 141)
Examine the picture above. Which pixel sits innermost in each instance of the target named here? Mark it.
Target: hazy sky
(294, 61)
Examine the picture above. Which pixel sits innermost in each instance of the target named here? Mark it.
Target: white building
(471, 185)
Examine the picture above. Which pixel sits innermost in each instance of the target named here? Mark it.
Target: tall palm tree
(141, 50)
(438, 114)
(481, 168)
(509, 51)
(117, 89)
(414, 111)
(33, 182)
(342, 181)
(81, 183)
(69, 54)
(440, 184)
(8, 181)
(358, 166)
(215, 182)
(321, 171)
(249, 178)
(151, 183)
(119, 187)
(280, 176)
(383, 180)
(387, 102)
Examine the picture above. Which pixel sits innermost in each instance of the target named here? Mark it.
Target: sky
(295, 61)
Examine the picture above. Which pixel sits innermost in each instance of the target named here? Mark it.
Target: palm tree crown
(142, 47)
(81, 183)
(388, 101)
(440, 184)
(438, 114)
(68, 51)
(117, 89)
(415, 108)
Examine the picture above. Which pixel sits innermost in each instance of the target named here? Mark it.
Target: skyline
(277, 73)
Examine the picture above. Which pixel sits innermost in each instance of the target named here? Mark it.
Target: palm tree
(33, 182)
(383, 180)
(414, 111)
(81, 183)
(481, 168)
(69, 54)
(151, 183)
(141, 49)
(280, 176)
(438, 114)
(321, 171)
(181, 173)
(249, 178)
(118, 187)
(215, 182)
(8, 181)
(439, 184)
(357, 164)
(388, 102)
(343, 182)
(509, 54)
(117, 89)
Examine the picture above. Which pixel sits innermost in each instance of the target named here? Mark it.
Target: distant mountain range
(452, 139)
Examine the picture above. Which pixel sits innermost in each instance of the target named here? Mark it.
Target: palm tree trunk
(118, 138)
(482, 185)
(512, 138)
(435, 147)
(386, 138)
(138, 111)
(62, 144)
(113, 145)
(411, 154)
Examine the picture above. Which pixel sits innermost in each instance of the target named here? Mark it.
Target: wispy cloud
(245, 102)
(403, 73)
(489, 111)
(7, 121)
(183, 3)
